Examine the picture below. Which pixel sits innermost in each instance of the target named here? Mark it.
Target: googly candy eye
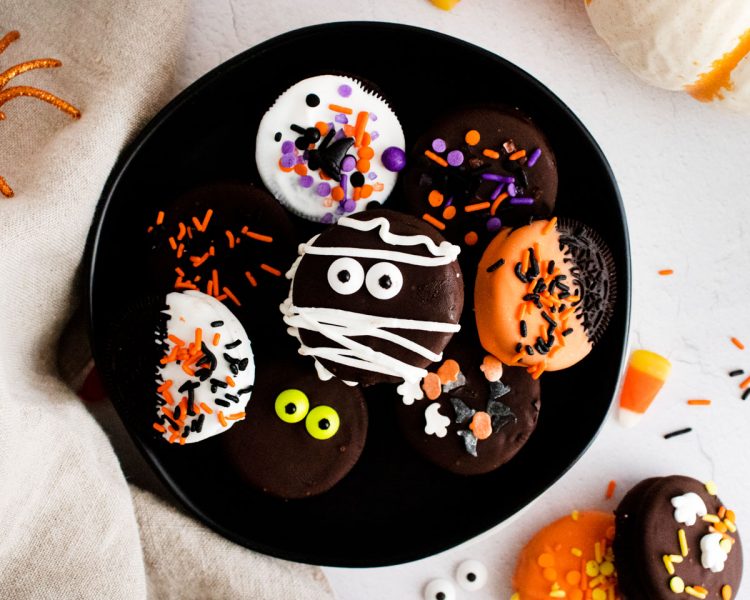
(440, 589)
(471, 575)
(345, 276)
(322, 422)
(292, 406)
(384, 280)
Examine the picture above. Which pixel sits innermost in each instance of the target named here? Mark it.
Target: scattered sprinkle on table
(699, 402)
(738, 343)
(611, 489)
(666, 272)
(678, 432)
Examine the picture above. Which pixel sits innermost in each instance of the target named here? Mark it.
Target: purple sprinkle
(339, 134)
(526, 201)
(288, 161)
(343, 182)
(372, 175)
(438, 145)
(341, 118)
(330, 126)
(340, 209)
(394, 159)
(349, 205)
(373, 117)
(327, 218)
(374, 135)
(306, 181)
(449, 201)
(455, 158)
(349, 163)
(493, 177)
(512, 191)
(323, 189)
(301, 159)
(345, 91)
(287, 147)
(498, 191)
(534, 157)
(494, 224)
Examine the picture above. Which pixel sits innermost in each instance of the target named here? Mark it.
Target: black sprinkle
(519, 347)
(533, 265)
(529, 350)
(234, 369)
(217, 323)
(218, 383)
(276, 138)
(357, 179)
(540, 286)
(197, 425)
(243, 364)
(678, 432)
(568, 331)
(232, 397)
(312, 100)
(223, 403)
(298, 129)
(533, 297)
(190, 405)
(736, 372)
(186, 432)
(188, 385)
(172, 422)
(233, 345)
(550, 267)
(524, 329)
(520, 274)
(540, 347)
(246, 390)
(496, 265)
(549, 320)
(177, 413)
(745, 394)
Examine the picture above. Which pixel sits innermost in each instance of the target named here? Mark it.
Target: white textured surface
(682, 169)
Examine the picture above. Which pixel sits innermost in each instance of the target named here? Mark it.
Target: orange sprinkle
(190, 232)
(183, 441)
(471, 238)
(150, 229)
(726, 592)
(341, 109)
(366, 190)
(722, 512)
(435, 198)
(472, 137)
(366, 152)
(230, 237)
(745, 383)
(251, 279)
(270, 270)
(539, 370)
(449, 212)
(477, 206)
(217, 338)
(182, 231)
(285, 169)
(236, 416)
(611, 489)
(378, 186)
(222, 420)
(666, 272)
(165, 386)
(490, 153)
(160, 217)
(198, 338)
(432, 386)
(259, 236)
(518, 154)
(699, 402)
(359, 128)
(206, 408)
(232, 297)
(448, 371)
(159, 427)
(201, 225)
(434, 222)
(497, 202)
(230, 381)
(549, 226)
(349, 130)
(300, 169)
(174, 437)
(738, 343)
(363, 166)
(180, 250)
(199, 260)
(215, 280)
(357, 194)
(432, 156)
(337, 194)
(172, 243)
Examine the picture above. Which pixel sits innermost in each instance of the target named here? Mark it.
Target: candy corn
(646, 374)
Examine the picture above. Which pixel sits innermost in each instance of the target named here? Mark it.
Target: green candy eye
(292, 406)
(322, 422)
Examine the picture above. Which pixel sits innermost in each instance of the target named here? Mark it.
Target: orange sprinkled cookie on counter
(571, 558)
(544, 294)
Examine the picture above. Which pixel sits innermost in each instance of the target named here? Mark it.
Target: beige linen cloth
(70, 525)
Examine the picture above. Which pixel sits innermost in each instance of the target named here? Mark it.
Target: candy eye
(440, 589)
(345, 276)
(384, 280)
(322, 422)
(292, 406)
(471, 575)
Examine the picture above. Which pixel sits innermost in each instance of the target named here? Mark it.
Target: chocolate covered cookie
(675, 538)
(375, 298)
(301, 435)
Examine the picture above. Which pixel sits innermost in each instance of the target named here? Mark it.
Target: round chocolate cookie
(301, 436)
(478, 169)
(650, 558)
(375, 298)
(231, 241)
(468, 424)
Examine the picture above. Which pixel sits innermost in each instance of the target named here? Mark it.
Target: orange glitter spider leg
(8, 39)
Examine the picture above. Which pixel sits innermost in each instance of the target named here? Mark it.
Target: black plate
(393, 507)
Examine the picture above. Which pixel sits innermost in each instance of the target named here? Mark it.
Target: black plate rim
(129, 152)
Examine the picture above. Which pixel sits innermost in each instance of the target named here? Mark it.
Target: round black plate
(393, 507)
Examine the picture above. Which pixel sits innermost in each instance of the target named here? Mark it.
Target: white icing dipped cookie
(328, 147)
(206, 375)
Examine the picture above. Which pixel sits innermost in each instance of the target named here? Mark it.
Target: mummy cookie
(544, 294)
(375, 298)
(328, 147)
(675, 538)
(477, 169)
(302, 435)
(206, 374)
(475, 416)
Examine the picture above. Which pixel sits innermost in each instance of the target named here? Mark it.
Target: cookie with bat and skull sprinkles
(375, 298)
(328, 147)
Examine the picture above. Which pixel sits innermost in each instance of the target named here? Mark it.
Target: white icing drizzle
(688, 507)
(435, 423)
(712, 555)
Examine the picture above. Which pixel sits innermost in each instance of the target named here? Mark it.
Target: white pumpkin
(698, 46)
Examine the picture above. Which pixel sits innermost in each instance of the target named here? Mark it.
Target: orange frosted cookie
(544, 294)
(570, 558)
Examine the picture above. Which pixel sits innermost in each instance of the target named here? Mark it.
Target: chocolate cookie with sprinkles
(544, 294)
(478, 169)
(231, 241)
